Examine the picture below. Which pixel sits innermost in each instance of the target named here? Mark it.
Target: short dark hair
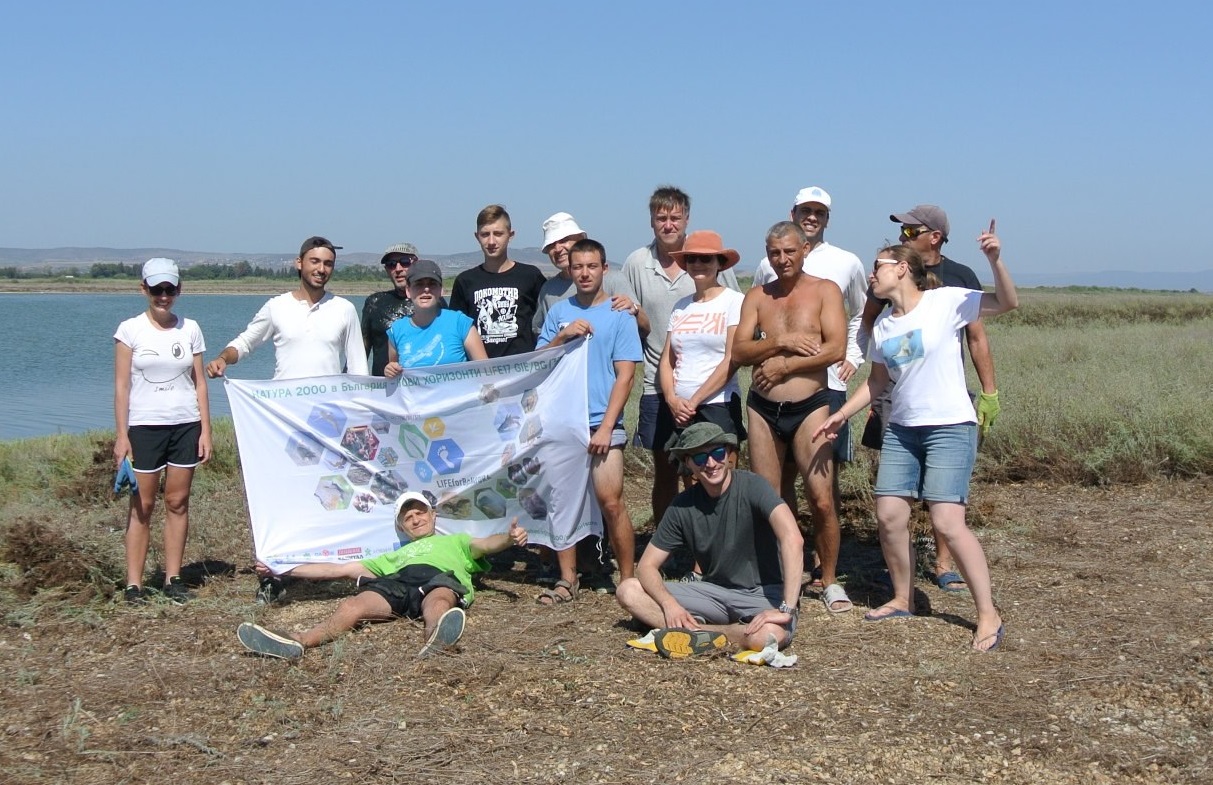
(587, 245)
(314, 242)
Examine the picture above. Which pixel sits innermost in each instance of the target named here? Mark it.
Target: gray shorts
(716, 604)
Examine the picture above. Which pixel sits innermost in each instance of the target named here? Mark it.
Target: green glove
(987, 411)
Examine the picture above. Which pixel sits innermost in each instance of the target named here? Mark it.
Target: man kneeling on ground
(746, 540)
(428, 578)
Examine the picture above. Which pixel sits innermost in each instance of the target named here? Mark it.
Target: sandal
(836, 600)
(553, 596)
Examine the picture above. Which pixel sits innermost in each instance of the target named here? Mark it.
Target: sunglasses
(406, 263)
(910, 232)
(717, 454)
(700, 259)
(164, 289)
(876, 266)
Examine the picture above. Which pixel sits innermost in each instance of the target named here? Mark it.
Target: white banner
(325, 458)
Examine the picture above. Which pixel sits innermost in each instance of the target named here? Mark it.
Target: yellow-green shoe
(678, 642)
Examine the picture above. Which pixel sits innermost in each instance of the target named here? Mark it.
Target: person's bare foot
(989, 634)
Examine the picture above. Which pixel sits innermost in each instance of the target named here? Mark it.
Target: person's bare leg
(606, 472)
(177, 483)
(665, 484)
(948, 518)
(893, 518)
(436, 603)
(766, 451)
(364, 606)
(139, 525)
(816, 462)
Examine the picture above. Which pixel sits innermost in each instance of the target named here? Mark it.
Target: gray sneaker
(259, 640)
(448, 631)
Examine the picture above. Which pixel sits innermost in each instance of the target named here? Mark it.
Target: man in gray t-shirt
(742, 535)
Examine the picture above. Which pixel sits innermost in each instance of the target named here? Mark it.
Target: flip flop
(997, 636)
(947, 581)
(897, 613)
(834, 593)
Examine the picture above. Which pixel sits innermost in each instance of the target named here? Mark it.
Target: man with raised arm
(428, 578)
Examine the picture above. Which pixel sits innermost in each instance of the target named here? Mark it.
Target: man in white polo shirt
(315, 333)
(811, 210)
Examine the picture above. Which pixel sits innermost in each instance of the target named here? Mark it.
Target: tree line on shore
(197, 272)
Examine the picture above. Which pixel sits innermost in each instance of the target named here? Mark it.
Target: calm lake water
(58, 365)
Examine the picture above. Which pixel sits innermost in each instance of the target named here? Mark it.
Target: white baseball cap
(813, 193)
(411, 496)
(558, 227)
(161, 270)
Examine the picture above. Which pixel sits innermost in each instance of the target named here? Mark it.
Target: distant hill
(56, 259)
(59, 259)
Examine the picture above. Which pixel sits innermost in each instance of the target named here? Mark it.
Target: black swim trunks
(785, 417)
(405, 590)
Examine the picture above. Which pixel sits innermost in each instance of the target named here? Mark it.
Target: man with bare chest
(791, 331)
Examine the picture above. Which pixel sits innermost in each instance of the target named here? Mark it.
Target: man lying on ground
(428, 578)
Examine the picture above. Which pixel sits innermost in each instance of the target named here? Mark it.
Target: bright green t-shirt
(446, 552)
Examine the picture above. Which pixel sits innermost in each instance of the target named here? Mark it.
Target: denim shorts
(929, 462)
(844, 451)
(646, 422)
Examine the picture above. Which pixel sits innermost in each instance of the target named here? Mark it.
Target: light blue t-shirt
(615, 337)
(438, 343)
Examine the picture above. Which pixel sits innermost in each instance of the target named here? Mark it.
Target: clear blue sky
(247, 126)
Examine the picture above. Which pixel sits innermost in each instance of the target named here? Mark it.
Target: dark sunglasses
(689, 259)
(717, 454)
(406, 263)
(164, 289)
(910, 232)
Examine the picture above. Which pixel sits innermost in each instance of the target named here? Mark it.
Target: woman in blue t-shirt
(433, 335)
(931, 443)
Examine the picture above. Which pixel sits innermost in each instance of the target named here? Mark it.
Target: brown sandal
(553, 596)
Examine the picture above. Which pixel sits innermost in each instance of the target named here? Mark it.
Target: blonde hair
(923, 278)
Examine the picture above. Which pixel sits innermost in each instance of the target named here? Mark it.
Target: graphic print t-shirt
(697, 333)
(502, 305)
(921, 349)
(438, 343)
(162, 387)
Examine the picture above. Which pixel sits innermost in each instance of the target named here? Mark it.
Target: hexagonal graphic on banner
(490, 503)
(361, 441)
(335, 460)
(433, 427)
(365, 502)
(506, 488)
(334, 492)
(387, 456)
(327, 419)
(508, 420)
(533, 503)
(413, 440)
(423, 471)
(388, 486)
(531, 430)
(303, 449)
(358, 474)
(530, 399)
(380, 424)
(445, 456)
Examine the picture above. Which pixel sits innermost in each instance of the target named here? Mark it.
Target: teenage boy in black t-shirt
(500, 295)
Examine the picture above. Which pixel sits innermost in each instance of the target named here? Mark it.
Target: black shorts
(725, 415)
(155, 446)
(405, 590)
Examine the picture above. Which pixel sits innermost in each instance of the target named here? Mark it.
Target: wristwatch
(791, 610)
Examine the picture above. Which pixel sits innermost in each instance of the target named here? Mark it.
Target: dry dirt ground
(1104, 677)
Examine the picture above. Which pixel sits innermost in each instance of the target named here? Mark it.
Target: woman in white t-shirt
(696, 373)
(931, 443)
(163, 423)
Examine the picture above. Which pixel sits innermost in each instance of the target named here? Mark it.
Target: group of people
(676, 309)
